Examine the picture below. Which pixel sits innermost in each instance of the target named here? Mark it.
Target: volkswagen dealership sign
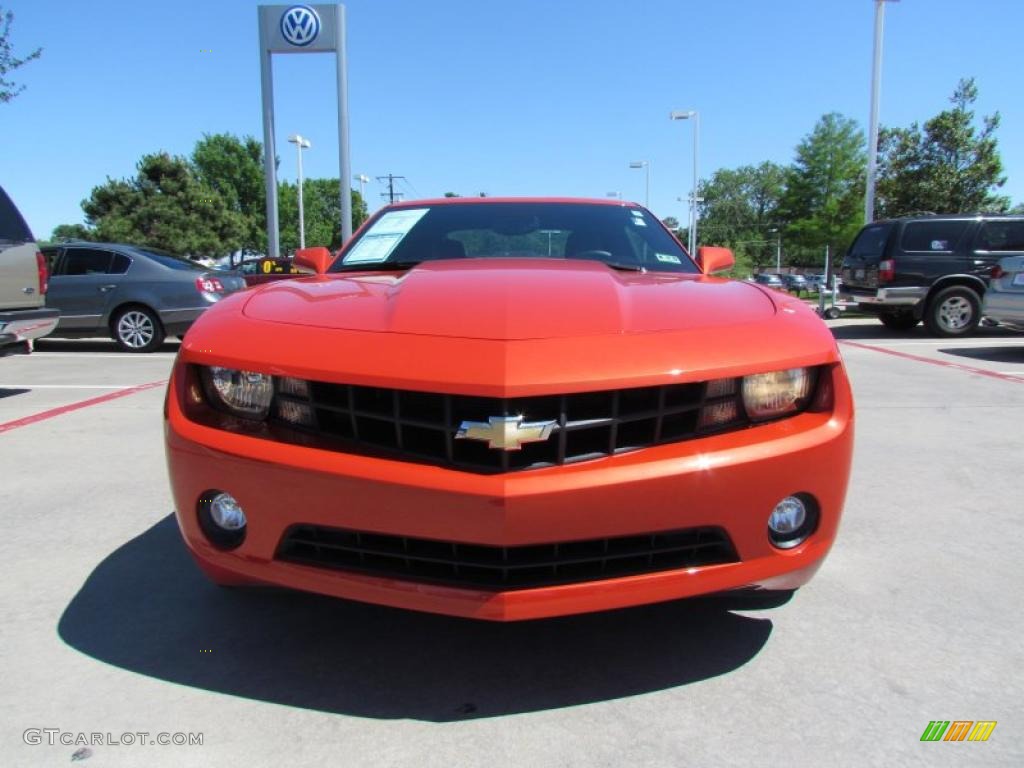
(300, 25)
(302, 29)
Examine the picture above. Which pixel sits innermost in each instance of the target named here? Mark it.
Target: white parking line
(67, 386)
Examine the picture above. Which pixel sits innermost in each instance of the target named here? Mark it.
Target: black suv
(931, 267)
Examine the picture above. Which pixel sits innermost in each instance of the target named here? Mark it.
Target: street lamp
(778, 250)
(646, 165)
(300, 144)
(363, 180)
(876, 86)
(616, 195)
(688, 114)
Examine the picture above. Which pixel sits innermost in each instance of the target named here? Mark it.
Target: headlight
(768, 395)
(242, 393)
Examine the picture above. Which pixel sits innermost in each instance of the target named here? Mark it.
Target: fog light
(221, 519)
(225, 512)
(792, 521)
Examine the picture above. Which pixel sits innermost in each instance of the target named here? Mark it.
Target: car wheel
(137, 329)
(953, 311)
(898, 321)
(832, 313)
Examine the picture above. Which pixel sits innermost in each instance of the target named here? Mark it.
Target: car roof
(949, 217)
(492, 200)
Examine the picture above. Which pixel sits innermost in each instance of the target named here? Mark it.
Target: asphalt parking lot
(109, 627)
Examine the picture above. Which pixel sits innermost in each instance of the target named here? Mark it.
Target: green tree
(946, 167)
(8, 61)
(740, 208)
(321, 206)
(823, 202)
(233, 167)
(165, 206)
(72, 232)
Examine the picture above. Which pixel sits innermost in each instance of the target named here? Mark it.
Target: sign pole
(269, 154)
(344, 164)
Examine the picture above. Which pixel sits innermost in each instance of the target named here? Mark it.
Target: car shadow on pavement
(84, 346)
(146, 608)
(1003, 354)
(875, 330)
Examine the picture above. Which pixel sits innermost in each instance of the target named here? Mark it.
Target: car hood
(510, 299)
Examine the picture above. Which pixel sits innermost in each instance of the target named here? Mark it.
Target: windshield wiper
(623, 267)
(378, 266)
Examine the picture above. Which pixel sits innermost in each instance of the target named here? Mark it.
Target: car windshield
(623, 237)
(170, 260)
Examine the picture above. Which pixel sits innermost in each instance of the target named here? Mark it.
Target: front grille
(422, 426)
(504, 568)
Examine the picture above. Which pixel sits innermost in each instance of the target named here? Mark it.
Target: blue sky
(509, 98)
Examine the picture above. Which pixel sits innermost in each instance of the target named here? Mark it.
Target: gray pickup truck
(23, 277)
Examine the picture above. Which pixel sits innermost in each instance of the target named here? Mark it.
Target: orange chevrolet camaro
(510, 409)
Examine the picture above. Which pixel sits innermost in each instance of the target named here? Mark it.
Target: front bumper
(18, 326)
(731, 480)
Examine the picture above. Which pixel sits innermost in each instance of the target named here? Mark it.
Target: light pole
(363, 180)
(300, 144)
(876, 86)
(778, 250)
(688, 114)
(646, 165)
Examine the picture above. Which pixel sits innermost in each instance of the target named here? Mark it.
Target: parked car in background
(1004, 299)
(815, 282)
(933, 268)
(133, 294)
(23, 283)
(267, 270)
(797, 283)
(770, 279)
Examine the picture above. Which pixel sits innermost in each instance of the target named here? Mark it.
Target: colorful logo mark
(958, 730)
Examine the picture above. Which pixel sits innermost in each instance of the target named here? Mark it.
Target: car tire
(832, 313)
(137, 329)
(953, 311)
(898, 321)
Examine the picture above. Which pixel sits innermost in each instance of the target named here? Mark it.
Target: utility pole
(390, 194)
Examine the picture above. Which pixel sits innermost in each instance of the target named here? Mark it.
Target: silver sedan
(133, 294)
(1004, 299)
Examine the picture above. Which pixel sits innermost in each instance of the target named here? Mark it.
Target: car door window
(86, 261)
(1001, 236)
(932, 236)
(119, 264)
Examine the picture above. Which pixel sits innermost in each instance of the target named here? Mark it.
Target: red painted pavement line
(920, 359)
(43, 415)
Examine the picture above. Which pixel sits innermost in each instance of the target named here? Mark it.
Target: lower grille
(504, 568)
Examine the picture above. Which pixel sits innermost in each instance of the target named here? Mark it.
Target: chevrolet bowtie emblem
(506, 433)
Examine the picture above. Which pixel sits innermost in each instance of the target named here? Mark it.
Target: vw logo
(300, 25)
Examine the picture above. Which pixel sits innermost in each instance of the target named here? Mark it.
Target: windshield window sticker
(668, 258)
(638, 219)
(384, 236)
(373, 249)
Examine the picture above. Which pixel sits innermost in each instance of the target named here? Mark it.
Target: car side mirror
(318, 259)
(714, 259)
